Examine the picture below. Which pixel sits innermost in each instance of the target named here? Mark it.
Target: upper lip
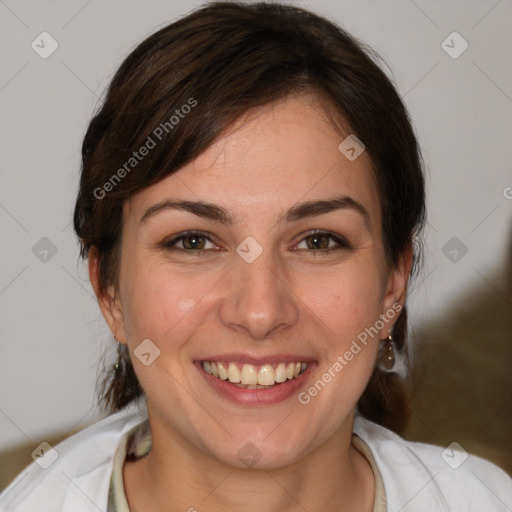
(259, 360)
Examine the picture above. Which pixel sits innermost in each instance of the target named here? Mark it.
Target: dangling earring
(390, 359)
(115, 367)
(387, 354)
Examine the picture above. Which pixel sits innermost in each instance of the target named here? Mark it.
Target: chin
(261, 452)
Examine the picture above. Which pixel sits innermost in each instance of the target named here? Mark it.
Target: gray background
(52, 334)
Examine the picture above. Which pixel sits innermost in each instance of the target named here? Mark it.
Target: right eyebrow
(200, 208)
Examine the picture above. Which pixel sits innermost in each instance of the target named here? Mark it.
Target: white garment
(415, 475)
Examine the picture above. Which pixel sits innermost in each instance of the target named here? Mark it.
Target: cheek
(347, 301)
(348, 305)
(157, 304)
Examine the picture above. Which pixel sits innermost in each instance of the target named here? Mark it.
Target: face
(261, 281)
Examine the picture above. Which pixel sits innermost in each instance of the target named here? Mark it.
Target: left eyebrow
(314, 208)
(297, 212)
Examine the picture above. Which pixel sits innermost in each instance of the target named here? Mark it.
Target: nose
(259, 300)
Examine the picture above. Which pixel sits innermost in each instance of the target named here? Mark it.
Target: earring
(387, 354)
(390, 359)
(115, 367)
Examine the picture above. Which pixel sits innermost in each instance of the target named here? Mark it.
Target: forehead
(269, 159)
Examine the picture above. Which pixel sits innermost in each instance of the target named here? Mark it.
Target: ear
(396, 289)
(108, 299)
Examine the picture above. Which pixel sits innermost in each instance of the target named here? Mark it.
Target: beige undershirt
(379, 505)
(137, 443)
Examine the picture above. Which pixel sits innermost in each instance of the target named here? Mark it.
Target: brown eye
(321, 241)
(192, 241)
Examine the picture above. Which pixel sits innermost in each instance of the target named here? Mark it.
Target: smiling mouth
(250, 376)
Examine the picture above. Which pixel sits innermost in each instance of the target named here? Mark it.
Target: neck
(176, 475)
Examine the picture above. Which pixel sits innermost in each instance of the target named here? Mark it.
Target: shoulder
(74, 474)
(419, 476)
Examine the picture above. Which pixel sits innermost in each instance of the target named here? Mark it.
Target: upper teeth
(266, 375)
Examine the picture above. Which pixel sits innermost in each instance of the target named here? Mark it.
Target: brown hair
(224, 59)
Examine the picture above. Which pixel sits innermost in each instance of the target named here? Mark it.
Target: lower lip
(245, 396)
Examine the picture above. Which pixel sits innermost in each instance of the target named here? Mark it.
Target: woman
(250, 196)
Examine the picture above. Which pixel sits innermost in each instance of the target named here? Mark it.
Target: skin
(288, 301)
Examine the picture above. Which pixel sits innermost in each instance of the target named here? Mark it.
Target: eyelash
(342, 243)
